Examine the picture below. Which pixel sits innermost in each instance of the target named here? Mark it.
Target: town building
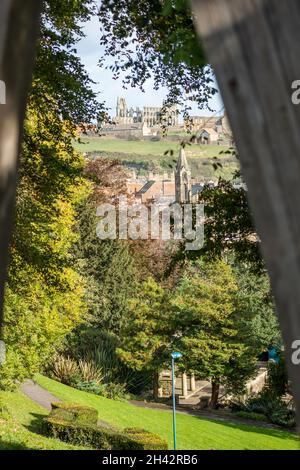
(212, 128)
(182, 179)
(166, 189)
(207, 136)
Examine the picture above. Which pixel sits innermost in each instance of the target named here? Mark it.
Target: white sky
(90, 51)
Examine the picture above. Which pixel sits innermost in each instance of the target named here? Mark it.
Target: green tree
(277, 384)
(45, 292)
(110, 271)
(144, 340)
(37, 319)
(256, 307)
(206, 330)
(228, 228)
(156, 39)
(59, 72)
(108, 265)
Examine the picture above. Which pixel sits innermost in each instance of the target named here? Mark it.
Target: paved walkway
(38, 394)
(203, 390)
(44, 398)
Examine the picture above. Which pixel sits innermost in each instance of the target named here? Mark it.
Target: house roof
(145, 188)
(209, 130)
(197, 188)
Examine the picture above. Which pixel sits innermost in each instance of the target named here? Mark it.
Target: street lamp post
(174, 355)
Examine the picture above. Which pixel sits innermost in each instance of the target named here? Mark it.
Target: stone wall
(256, 385)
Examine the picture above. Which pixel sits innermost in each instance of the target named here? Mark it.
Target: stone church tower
(121, 108)
(182, 179)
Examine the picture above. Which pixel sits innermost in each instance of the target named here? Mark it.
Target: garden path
(44, 398)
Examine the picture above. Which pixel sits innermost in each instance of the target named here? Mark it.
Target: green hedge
(78, 434)
(100, 437)
(146, 439)
(136, 431)
(252, 415)
(74, 413)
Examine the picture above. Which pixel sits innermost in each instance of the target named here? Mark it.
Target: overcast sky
(109, 89)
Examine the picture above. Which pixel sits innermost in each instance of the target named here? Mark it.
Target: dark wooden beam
(19, 25)
(253, 48)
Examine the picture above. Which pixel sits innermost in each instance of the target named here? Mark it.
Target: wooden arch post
(253, 47)
(19, 24)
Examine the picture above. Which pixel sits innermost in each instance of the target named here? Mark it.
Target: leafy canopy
(156, 39)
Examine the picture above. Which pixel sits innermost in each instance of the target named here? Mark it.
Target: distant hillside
(144, 156)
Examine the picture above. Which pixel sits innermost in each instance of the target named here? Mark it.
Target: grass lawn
(193, 433)
(144, 147)
(147, 155)
(20, 425)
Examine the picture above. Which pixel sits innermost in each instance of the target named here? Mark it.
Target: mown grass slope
(193, 433)
(21, 425)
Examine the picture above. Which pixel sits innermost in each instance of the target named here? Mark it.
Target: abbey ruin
(147, 122)
(149, 115)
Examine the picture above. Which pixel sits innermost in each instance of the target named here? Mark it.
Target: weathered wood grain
(19, 21)
(253, 48)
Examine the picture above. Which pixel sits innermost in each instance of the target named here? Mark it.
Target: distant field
(150, 155)
(145, 147)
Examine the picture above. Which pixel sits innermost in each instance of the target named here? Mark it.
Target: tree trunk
(155, 385)
(251, 46)
(215, 389)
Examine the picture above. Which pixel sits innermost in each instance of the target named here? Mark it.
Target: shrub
(65, 370)
(77, 424)
(277, 379)
(140, 439)
(147, 440)
(136, 431)
(252, 415)
(234, 404)
(110, 390)
(99, 347)
(103, 438)
(74, 413)
(92, 387)
(284, 417)
(78, 434)
(4, 412)
(273, 408)
(116, 391)
(261, 404)
(90, 372)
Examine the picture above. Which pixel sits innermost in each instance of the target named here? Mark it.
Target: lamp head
(176, 355)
